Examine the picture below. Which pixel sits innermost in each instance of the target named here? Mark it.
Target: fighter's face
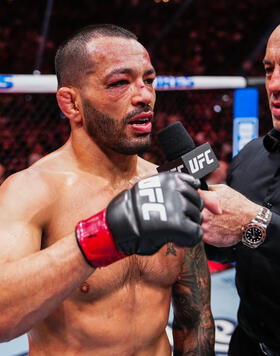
(272, 72)
(118, 96)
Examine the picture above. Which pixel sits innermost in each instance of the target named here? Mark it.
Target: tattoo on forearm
(170, 249)
(195, 352)
(193, 326)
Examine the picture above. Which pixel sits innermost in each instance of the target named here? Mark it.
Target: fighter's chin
(135, 146)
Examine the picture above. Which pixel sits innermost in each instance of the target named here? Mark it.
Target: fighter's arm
(36, 280)
(33, 282)
(193, 325)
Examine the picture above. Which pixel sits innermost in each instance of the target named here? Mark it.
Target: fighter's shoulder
(35, 183)
(26, 185)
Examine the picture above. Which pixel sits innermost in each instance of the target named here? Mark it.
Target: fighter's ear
(68, 101)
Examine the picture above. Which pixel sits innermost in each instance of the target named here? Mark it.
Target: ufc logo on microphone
(198, 162)
(151, 188)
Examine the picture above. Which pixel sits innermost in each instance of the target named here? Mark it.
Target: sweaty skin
(47, 288)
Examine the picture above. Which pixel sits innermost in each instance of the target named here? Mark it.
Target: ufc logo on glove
(151, 188)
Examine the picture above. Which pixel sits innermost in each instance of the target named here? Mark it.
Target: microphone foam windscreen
(175, 141)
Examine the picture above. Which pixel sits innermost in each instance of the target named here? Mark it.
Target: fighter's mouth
(141, 119)
(138, 122)
(276, 105)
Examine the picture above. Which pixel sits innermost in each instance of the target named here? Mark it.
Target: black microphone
(182, 154)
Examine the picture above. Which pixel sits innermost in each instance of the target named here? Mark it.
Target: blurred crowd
(184, 38)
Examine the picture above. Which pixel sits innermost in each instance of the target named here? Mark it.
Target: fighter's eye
(149, 80)
(268, 70)
(118, 83)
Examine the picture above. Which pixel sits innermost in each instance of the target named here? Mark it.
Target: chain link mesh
(31, 125)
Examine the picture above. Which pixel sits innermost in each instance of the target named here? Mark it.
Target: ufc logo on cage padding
(151, 188)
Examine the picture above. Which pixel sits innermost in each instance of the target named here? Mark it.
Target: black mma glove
(159, 209)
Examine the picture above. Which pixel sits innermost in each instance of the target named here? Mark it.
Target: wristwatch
(254, 233)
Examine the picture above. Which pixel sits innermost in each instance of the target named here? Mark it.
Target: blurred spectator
(202, 41)
(2, 173)
(218, 175)
(35, 155)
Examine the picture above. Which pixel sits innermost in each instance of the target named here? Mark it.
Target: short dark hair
(72, 59)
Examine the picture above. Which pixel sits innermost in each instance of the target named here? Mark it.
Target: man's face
(272, 72)
(118, 96)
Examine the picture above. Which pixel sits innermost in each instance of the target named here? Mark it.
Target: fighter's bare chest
(74, 203)
(159, 271)
(85, 200)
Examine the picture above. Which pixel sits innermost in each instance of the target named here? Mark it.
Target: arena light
(47, 83)
(158, 1)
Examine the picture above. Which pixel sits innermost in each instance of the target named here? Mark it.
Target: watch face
(254, 234)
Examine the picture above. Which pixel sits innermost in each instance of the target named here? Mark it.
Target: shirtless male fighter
(94, 244)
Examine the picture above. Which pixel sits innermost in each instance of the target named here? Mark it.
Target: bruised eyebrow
(127, 71)
(118, 71)
(150, 72)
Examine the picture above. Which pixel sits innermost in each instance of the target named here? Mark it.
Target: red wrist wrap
(96, 241)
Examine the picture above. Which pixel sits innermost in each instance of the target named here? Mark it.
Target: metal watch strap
(260, 222)
(263, 217)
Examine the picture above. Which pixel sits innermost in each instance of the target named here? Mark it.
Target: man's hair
(72, 59)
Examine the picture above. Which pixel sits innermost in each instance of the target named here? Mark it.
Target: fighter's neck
(91, 158)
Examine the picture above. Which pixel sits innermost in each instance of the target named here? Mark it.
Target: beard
(109, 133)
